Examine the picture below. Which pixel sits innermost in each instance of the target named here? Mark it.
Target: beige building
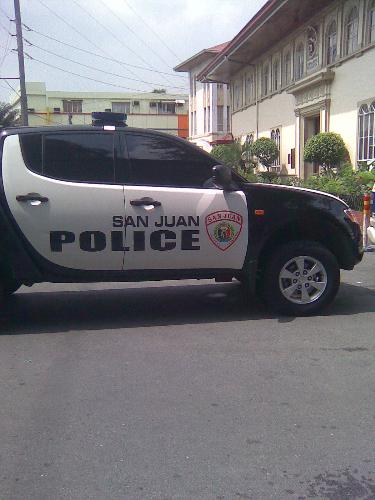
(158, 111)
(301, 67)
(209, 103)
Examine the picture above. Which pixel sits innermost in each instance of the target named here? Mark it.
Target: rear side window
(79, 157)
(75, 157)
(31, 145)
(159, 161)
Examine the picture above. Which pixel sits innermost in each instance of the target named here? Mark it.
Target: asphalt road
(186, 391)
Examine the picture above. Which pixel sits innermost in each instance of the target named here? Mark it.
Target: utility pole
(21, 62)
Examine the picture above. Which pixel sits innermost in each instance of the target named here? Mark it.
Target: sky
(138, 41)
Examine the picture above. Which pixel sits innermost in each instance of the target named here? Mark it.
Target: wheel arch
(326, 232)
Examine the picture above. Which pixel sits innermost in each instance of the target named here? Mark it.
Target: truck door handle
(145, 201)
(32, 197)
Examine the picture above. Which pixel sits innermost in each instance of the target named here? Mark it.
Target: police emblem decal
(223, 228)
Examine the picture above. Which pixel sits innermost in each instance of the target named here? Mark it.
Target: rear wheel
(300, 278)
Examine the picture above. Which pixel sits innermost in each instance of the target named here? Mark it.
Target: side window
(158, 161)
(79, 157)
(31, 146)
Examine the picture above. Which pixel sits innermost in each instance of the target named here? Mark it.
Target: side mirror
(222, 177)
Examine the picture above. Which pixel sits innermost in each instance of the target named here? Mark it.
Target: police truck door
(60, 189)
(172, 220)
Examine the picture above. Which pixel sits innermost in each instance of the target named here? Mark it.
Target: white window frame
(220, 118)
(72, 105)
(265, 79)
(366, 132)
(351, 30)
(249, 87)
(276, 137)
(124, 105)
(299, 61)
(276, 74)
(287, 57)
(370, 24)
(331, 55)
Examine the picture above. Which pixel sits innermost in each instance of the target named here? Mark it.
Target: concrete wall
(274, 112)
(354, 84)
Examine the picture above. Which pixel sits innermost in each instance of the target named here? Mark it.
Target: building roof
(202, 56)
(39, 88)
(273, 22)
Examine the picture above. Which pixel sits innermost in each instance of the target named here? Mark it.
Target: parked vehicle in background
(371, 228)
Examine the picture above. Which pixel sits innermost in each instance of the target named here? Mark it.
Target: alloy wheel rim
(303, 280)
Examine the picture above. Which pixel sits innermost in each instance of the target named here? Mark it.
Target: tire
(300, 278)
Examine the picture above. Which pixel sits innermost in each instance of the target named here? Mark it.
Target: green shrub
(266, 151)
(327, 149)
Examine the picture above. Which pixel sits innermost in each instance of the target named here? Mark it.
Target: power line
(82, 76)
(48, 37)
(11, 87)
(152, 30)
(7, 49)
(111, 33)
(5, 13)
(134, 33)
(6, 29)
(93, 67)
(78, 32)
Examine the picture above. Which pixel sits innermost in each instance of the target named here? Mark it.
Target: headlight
(353, 215)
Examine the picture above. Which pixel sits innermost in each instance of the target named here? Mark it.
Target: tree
(232, 155)
(265, 150)
(327, 149)
(8, 115)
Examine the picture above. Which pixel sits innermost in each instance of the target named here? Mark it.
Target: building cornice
(323, 76)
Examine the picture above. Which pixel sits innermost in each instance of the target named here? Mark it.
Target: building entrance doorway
(311, 127)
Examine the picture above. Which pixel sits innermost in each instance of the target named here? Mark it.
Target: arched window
(366, 138)
(266, 79)
(275, 136)
(371, 22)
(331, 42)
(287, 68)
(351, 32)
(300, 62)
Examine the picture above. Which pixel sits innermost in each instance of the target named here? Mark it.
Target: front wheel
(300, 278)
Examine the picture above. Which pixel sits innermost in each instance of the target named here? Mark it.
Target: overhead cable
(78, 32)
(152, 30)
(115, 37)
(134, 33)
(107, 58)
(93, 67)
(82, 76)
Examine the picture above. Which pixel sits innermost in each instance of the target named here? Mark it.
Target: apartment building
(154, 110)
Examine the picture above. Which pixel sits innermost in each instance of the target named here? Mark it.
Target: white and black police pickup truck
(113, 203)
